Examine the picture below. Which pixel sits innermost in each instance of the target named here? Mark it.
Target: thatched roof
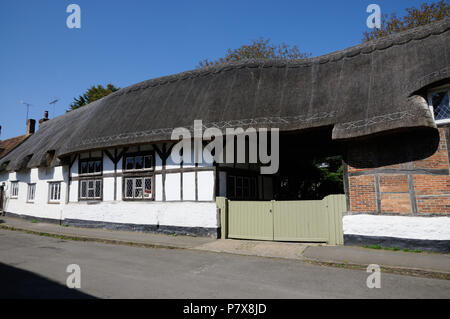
(361, 91)
(8, 145)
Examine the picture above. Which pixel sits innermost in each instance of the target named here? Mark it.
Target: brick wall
(412, 188)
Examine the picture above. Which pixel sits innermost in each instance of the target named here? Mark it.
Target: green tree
(258, 49)
(92, 94)
(415, 17)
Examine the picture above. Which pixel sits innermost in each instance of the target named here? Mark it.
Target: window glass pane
(91, 167)
(139, 164)
(84, 167)
(98, 166)
(91, 193)
(55, 191)
(98, 188)
(129, 163)
(31, 188)
(138, 188)
(148, 188)
(14, 189)
(129, 188)
(246, 187)
(90, 184)
(253, 187)
(52, 191)
(239, 187)
(148, 161)
(231, 187)
(441, 106)
(83, 189)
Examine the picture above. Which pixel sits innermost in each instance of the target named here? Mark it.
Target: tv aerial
(28, 109)
(53, 103)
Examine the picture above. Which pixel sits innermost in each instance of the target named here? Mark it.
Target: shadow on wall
(390, 149)
(21, 284)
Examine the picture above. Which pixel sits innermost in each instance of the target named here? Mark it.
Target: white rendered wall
(173, 187)
(183, 214)
(205, 186)
(189, 186)
(431, 228)
(158, 188)
(40, 207)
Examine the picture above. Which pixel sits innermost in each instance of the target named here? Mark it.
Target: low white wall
(183, 214)
(430, 228)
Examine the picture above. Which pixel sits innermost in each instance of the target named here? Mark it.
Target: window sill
(90, 201)
(442, 122)
(90, 175)
(146, 170)
(138, 200)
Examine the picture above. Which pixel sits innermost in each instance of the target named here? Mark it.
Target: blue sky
(128, 41)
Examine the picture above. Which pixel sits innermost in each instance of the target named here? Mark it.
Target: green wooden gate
(300, 221)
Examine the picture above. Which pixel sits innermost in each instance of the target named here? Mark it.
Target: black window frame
(138, 173)
(139, 154)
(233, 181)
(133, 177)
(93, 160)
(89, 198)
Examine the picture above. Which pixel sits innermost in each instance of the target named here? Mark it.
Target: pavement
(422, 264)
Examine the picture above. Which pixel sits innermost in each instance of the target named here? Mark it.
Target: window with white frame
(438, 99)
(31, 192)
(14, 189)
(54, 192)
(136, 162)
(138, 188)
(91, 189)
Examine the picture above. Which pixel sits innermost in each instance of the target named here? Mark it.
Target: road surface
(35, 266)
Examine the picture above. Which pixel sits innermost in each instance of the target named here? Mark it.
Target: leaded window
(439, 105)
(91, 189)
(138, 187)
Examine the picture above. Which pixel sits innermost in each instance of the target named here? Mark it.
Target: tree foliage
(92, 94)
(415, 17)
(258, 49)
(312, 179)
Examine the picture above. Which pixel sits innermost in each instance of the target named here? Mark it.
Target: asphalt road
(35, 266)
